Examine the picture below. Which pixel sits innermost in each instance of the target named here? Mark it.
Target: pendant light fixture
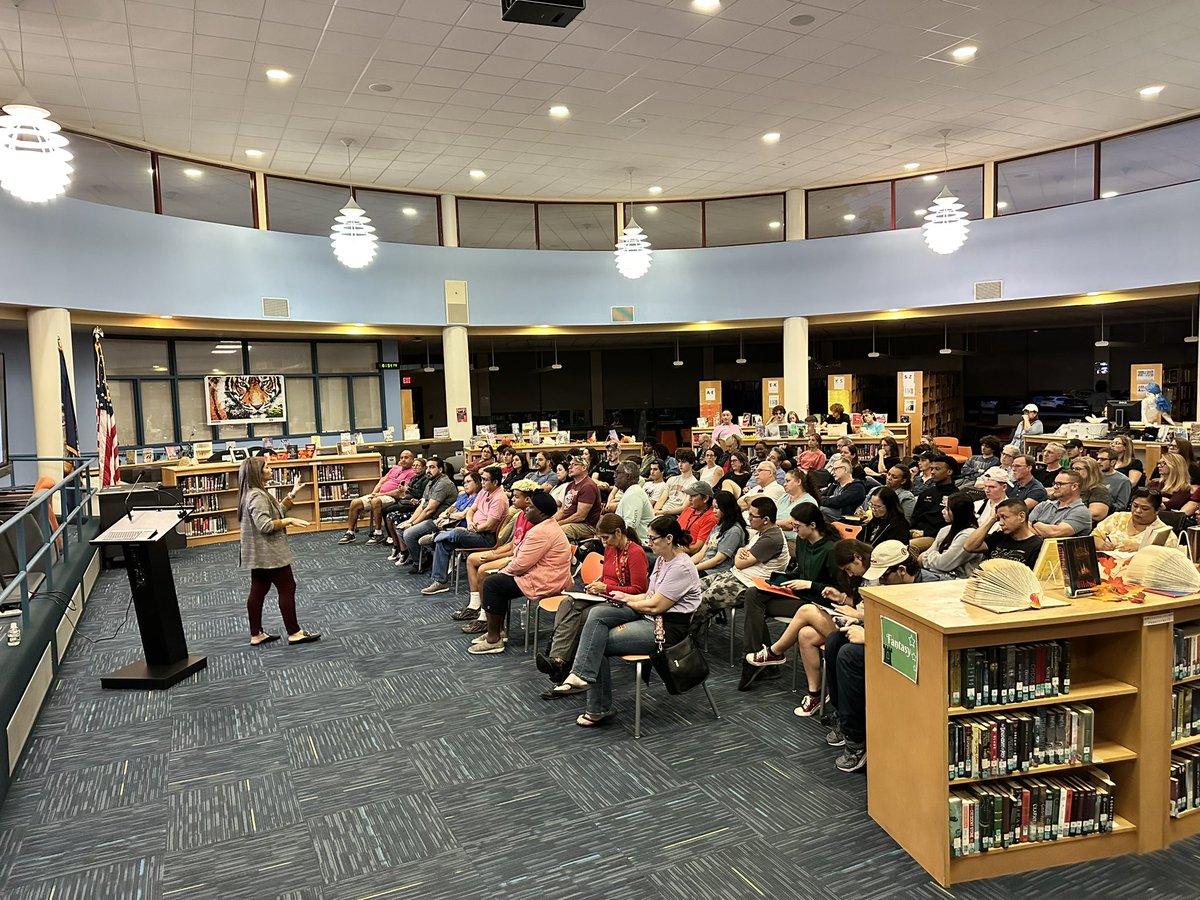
(874, 354)
(35, 165)
(677, 361)
(557, 365)
(1192, 336)
(633, 249)
(353, 236)
(946, 351)
(493, 367)
(428, 365)
(741, 360)
(1102, 342)
(945, 226)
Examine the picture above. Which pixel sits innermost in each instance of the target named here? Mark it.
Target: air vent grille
(989, 290)
(276, 308)
(457, 310)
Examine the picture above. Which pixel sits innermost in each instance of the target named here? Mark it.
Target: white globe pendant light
(353, 236)
(945, 227)
(633, 253)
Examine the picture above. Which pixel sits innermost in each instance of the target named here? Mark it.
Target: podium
(140, 533)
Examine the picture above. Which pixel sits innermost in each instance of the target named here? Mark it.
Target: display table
(330, 483)
(1147, 451)
(1121, 666)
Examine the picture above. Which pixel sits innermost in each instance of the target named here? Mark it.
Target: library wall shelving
(330, 483)
(1122, 667)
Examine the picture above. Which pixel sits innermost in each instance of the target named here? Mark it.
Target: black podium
(141, 534)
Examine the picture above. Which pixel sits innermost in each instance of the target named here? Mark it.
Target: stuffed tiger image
(244, 397)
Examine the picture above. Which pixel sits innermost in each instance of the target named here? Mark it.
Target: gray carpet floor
(383, 761)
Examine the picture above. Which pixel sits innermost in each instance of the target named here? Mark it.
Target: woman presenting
(264, 551)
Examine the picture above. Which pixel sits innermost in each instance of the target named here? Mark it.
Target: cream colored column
(795, 365)
(46, 328)
(449, 204)
(456, 356)
(794, 206)
(989, 190)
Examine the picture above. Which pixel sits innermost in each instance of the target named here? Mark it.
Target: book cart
(330, 483)
(1123, 665)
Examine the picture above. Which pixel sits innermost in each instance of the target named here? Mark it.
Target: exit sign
(406, 379)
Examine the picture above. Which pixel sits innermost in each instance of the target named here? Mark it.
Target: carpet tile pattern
(383, 761)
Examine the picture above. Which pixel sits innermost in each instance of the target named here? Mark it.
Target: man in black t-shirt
(1015, 540)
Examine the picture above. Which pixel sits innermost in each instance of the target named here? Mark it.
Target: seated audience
(726, 427)
(845, 680)
(812, 457)
(486, 457)
(634, 507)
(710, 472)
(887, 456)
(1118, 485)
(628, 627)
(439, 495)
(540, 567)
(798, 489)
(625, 570)
(837, 415)
(996, 483)
(1094, 493)
(948, 556)
(988, 456)
(778, 416)
(674, 500)
(581, 503)
(887, 522)
(1074, 448)
(479, 529)
(1128, 532)
(870, 427)
(1172, 481)
(899, 480)
(893, 563)
(517, 471)
(1015, 540)
(1064, 515)
(506, 460)
(409, 500)
(766, 552)
(724, 540)
(1127, 462)
(563, 480)
(387, 492)
(1025, 487)
(605, 471)
(480, 565)
(764, 485)
(737, 472)
(656, 482)
(1183, 447)
(927, 511)
(760, 453)
(544, 474)
(1052, 457)
(844, 494)
(698, 518)
(649, 453)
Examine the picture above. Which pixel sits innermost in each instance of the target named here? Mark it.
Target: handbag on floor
(681, 665)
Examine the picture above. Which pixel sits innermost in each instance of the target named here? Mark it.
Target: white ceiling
(863, 89)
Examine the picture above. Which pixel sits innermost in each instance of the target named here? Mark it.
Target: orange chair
(593, 565)
(847, 531)
(952, 448)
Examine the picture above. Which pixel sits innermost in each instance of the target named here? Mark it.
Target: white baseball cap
(1029, 407)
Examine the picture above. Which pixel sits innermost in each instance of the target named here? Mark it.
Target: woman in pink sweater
(541, 567)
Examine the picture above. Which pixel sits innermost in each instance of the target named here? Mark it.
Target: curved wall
(82, 255)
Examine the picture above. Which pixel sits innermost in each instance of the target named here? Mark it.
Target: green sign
(899, 648)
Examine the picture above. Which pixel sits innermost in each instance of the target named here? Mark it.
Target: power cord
(67, 602)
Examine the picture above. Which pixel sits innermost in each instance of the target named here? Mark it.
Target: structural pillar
(794, 209)
(46, 328)
(456, 356)
(795, 365)
(449, 208)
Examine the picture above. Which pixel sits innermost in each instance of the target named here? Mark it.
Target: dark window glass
(577, 226)
(496, 224)
(208, 357)
(302, 207)
(110, 174)
(401, 218)
(1150, 159)
(668, 226)
(209, 193)
(914, 195)
(745, 220)
(1046, 180)
(857, 209)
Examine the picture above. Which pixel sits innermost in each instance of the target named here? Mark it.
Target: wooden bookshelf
(360, 473)
(1121, 667)
(1179, 385)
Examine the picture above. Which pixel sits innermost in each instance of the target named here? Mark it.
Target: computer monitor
(1122, 413)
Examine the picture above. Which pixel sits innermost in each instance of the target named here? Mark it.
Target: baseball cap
(1029, 407)
(997, 473)
(1073, 443)
(883, 557)
(614, 445)
(699, 489)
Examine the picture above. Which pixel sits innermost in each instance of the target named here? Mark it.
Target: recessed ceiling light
(409, 211)
(254, 154)
(278, 75)
(159, 368)
(1108, 194)
(166, 317)
(635, 120)
(559, 112)
(801, 21)
(650, 208)
(192, 173)
(1093, 293)
(964, 53)
(477, 174)
(910, 166)
(929, 178)
(656, 189)
(706, 5)
(849, 217)
(771, 137)
(774, 224)
(1003, 204)
(920, 212)
(380, 88)
(1152, 90)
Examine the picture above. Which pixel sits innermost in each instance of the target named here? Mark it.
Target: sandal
(587, 720)
(565, 690)
(265, 640)
(306, 638)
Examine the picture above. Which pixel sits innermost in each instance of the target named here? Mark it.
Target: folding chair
(592, 568)
(639, 661)
(847, 531)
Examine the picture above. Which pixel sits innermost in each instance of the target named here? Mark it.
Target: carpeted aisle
(385, 761)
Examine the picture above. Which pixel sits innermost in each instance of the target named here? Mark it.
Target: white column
(794, 205)
(449, 205)
(457, 358)
(795, 365)
(46, 328)
(989, 189)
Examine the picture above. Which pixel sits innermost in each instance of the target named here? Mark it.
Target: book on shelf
(1185, 711)
(1185, 780)
(1012, 673)
(1187, 650)
(990, 746)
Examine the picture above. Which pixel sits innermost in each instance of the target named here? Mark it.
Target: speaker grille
(276, 308)
(457, 310)
(989, 290)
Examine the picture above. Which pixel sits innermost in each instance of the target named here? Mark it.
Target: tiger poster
(234, 399)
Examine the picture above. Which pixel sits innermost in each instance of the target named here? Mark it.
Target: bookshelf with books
(1029, 739)
(329, 483)
(1183, 784)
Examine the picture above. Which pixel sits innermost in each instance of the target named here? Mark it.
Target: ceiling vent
(276, 308)
(989, 290)
(457, 310)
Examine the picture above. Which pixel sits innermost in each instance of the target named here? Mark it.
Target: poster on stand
(250, 399)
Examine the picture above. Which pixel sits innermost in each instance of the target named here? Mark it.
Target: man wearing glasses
(1025, 487)
(765, 554)
(845, 493)
(581, 504)
(484, 519)
(1119, 485)
(1064, 515)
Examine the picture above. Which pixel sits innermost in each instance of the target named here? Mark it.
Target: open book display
(1004, 585)
(1164, 570)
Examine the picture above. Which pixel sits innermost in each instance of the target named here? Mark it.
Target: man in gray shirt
(765, 554)
(543, 470)
(1119, 485)
(634, 506)
(440, 493)
(1065, 515)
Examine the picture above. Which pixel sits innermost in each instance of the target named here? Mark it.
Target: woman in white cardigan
(947, 555)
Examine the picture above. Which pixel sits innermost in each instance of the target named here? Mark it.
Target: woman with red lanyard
(626, 569)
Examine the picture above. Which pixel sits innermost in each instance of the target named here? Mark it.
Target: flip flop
(266, 640)
(565, 690)
(307, 638)
(589, 720)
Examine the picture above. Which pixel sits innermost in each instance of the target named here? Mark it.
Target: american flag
(106, 421)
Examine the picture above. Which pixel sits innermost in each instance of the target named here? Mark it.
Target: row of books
(998, 816)
(1011, 673)
(205, 525)
(1185, 712)
(345, 491)
(205, 503)
(199, 483)
(331, 473)
(1187, 650)
(337, 514)
(1185, 780)
(990, 746)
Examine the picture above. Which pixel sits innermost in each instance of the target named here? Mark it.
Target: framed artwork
(250, 399)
